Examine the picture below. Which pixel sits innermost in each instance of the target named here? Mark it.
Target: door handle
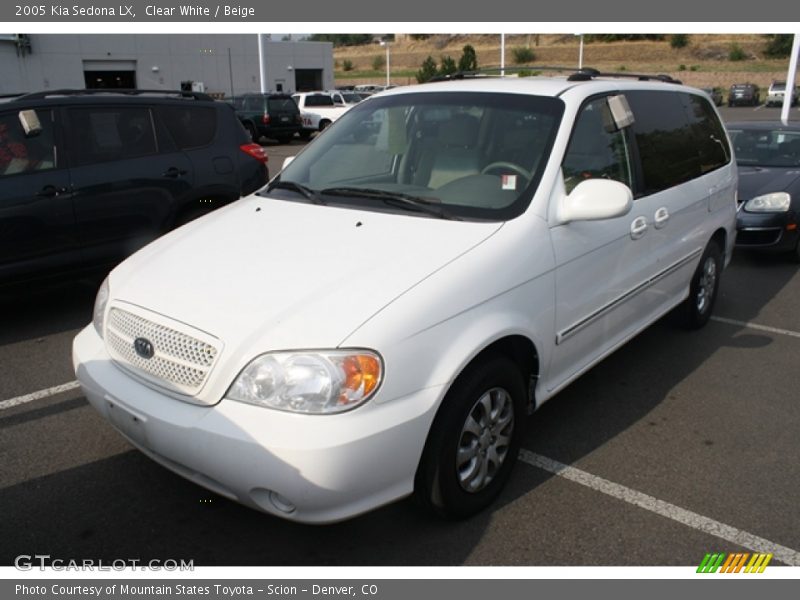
(173, 172)
(50, 191)
(638, 227)
(661, 217)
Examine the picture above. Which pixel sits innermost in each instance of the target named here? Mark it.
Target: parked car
(744, 94)
(777, 92)
(87, 177)
(715, 94)
(380, 320)
(768, 155)
(344, 98)
(317, 111)
(271, 115)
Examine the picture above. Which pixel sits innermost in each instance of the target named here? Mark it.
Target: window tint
(276, 105)
(710, 140)
(595, 149)
(319, 100)
(20, 154)
(102, 134)
(190, 126)
(664, 137)
(254, 103)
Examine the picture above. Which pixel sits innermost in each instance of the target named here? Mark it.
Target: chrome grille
(180, 363)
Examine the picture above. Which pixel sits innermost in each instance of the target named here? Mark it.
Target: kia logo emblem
(144, 347)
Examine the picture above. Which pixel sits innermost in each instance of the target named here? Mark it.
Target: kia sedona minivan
(381, 318)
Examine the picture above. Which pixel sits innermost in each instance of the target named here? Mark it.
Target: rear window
(275, 105)
(679, 137)
(190, 126)
(319, 100)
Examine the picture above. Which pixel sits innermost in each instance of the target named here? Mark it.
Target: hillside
(703, 62)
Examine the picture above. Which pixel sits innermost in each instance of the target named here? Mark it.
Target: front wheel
(474, 441)
(696, 309)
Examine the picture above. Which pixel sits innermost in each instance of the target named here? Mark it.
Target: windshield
(469, 155)
(766, 147)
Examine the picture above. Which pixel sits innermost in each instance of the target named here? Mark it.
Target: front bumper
(769, 232)
(307, 468)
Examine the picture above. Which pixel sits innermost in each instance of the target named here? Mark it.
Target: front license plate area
(129, 423)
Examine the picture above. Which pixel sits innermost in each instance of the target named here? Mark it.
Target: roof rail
(124, 92)
(587, 74)
(583, 74)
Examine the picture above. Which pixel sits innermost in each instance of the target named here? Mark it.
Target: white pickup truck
(317, 111)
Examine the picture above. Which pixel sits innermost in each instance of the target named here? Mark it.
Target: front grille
(180, 362)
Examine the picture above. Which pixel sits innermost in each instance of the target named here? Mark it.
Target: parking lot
(679, 444)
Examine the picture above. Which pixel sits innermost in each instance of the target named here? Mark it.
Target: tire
(795, 254)
(474, 441)
(305, 135)
(324, 124)
(696, 310)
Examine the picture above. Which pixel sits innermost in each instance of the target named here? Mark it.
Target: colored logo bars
(734, 563)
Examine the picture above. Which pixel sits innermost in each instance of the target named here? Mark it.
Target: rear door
(127, 182)
(37, 223)
(602, 266)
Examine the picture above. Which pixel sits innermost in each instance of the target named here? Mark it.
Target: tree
(779, 45)
(447, 66)
(678, 40)
(523, 54)
(468, 60)
(427, 71)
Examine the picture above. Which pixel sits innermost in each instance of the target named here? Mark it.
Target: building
(223, 65)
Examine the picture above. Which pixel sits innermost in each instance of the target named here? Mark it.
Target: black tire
(284, 139)
(696, 310)
(305, 135)
(324, 124)
(795, 254)
(439, 485)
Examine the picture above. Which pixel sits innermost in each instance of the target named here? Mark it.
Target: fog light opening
(281, 503)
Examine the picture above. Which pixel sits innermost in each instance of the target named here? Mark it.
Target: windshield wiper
(310, 194)
(398, 199)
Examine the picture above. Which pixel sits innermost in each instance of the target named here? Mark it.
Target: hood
(755, 181)
(264, 274)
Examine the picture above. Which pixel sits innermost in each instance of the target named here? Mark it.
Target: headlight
(98, 316)
(775, 202)
(318, 382)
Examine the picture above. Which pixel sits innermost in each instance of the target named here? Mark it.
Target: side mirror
(594, 200)
(286, 162)
(30, 123)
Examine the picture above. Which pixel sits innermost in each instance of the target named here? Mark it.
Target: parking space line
(766, 328)
(64, 387)
(662, 508)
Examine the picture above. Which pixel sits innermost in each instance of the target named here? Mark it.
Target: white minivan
(381, 318)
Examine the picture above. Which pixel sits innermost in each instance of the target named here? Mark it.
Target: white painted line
(664, 509)
(778, 330)
(64, 387)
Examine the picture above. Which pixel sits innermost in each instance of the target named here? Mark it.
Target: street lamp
(388, 67)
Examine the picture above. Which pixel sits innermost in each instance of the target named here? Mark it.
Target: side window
(711, 143)
(190, 126)
(101, 134)
(596, 149)
(20, 154)
(664, 137)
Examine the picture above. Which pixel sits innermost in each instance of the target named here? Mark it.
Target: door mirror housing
(595, 200)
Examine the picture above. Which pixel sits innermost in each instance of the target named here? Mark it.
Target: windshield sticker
(509, 182)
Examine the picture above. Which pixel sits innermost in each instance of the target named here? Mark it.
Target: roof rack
(582, 74)
(587, 74)
(124, 92)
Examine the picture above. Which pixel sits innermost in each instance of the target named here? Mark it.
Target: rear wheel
(474, 441)
(254, 135)
(696, 309)
(323, 124)
(305, 135)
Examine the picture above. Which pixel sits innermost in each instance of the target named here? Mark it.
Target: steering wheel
(500, 165)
